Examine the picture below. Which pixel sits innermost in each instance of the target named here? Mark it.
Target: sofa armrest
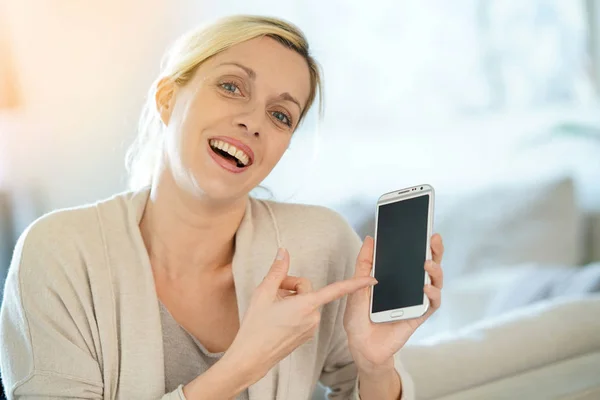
(498, 348)
(575, 378)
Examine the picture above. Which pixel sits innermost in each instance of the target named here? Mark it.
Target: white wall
(84, 67)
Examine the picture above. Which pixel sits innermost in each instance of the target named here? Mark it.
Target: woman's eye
(281, 117)
(231, 87)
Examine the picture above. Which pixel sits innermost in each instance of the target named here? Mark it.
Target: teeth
(240, 155)
(231, 149)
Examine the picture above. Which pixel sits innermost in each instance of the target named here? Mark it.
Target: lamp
(10, 96)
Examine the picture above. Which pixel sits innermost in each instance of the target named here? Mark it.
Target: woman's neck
(187, 235)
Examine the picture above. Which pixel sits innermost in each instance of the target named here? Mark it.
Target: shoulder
(62, 239)
(320, 221)
(57, 287)
(317, 232)
(72, 225)
(56, 226)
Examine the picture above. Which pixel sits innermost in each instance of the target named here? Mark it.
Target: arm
(375, 348)
(224, 380)
(386, 385)
(48, 345)
(49, 335)
(341, 375)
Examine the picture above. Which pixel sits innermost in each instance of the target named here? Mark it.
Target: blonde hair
(182, 60)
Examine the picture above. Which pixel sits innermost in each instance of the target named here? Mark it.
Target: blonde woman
(186, 287)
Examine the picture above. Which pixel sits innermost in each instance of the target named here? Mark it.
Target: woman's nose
(248, 130)
(250, 121)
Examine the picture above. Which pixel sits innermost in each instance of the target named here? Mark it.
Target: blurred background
(493, 102)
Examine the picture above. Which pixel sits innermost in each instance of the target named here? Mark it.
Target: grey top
(185, 356)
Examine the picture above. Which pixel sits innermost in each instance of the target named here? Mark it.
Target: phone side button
(397, 314)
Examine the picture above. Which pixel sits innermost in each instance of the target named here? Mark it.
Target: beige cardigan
(80, 316)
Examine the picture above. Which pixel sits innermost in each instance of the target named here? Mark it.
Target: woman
(182, 288)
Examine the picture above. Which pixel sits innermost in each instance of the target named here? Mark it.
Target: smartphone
(403, 228)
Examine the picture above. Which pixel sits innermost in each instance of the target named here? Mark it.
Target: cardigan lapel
(255, 249)
(136, 313)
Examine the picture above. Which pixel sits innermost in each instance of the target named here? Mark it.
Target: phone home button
(397, 314)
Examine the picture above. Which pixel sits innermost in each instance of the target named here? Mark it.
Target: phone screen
(400, 254)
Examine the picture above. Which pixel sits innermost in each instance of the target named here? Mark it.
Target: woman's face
(230, 124)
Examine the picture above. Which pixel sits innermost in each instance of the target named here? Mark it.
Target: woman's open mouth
(229, 156)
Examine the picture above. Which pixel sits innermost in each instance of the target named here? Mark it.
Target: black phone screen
(400, 254)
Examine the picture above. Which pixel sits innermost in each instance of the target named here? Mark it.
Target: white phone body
(413, 311)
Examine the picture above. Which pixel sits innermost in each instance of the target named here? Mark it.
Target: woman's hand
(373, 345)
(284, 313)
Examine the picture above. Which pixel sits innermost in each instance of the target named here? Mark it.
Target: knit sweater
(80, 316)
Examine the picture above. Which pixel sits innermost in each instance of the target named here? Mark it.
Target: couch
(519, 317)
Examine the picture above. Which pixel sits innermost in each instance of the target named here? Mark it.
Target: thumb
(278, 271)
(364, 261)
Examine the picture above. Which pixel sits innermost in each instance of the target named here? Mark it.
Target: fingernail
(374, 281)
(280, 254)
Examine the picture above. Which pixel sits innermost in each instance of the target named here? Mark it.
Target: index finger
(437, 248)
(339, 289)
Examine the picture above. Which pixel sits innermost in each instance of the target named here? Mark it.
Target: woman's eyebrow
(289, 97)
(248, 70)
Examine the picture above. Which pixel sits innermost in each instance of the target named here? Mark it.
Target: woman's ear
(165, 99)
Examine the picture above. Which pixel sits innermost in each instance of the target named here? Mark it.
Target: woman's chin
(218, 190)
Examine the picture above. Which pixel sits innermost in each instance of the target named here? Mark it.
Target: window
(391, 59)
